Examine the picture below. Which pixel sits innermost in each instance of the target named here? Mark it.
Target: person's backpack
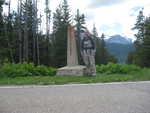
(87, 43)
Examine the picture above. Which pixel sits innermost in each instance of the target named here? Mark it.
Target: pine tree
(1, 17)
(145, 48)
(61, 20)
(141, 55)
(98, 46)
(103, 52)
(2, 38)
(131, 58)
(80, 22)
(9, 32)
(66, 13)
(80, 26)
(20, 37)
(102, 55)
(48, 18)
(140, 27)
(8, 36)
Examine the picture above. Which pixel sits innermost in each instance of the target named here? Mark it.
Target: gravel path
(77, 98)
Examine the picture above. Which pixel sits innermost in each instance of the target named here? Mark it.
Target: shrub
(45, 71)
(25, 69)
(112, 68)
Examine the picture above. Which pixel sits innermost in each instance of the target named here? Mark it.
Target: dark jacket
(87, 43)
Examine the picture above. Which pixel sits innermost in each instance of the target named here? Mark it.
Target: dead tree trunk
(47, 11)
(26, 54)
(8, 33)
(20, 29)
(35, 35)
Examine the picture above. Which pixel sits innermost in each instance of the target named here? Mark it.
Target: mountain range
(119, 47)
(118, 39)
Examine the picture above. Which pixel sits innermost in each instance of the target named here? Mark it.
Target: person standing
(88, 50)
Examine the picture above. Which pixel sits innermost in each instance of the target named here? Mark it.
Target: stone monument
(73, 68)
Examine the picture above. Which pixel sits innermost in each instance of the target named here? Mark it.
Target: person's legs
(92, 65)
(85, 59)
(89, 61)
(87, 64)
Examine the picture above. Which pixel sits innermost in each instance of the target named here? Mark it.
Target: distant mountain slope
(120, 47)
(119, 50)
(119, 40)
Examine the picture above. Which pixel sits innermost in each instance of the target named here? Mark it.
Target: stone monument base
(71, 71)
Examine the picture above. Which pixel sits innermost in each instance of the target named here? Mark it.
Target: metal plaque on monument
(73, 68)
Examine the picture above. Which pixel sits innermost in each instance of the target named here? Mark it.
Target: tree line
(141, 55)
(22, 40)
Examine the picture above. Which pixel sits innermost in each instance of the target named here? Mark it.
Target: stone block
(72, 71)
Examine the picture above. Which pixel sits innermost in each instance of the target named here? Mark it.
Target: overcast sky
(110, 16)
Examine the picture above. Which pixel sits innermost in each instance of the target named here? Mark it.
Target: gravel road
(130, 97)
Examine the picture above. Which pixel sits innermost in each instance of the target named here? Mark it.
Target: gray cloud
(100, 3)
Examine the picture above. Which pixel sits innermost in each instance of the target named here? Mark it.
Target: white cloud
(103, 12)
(119, 13)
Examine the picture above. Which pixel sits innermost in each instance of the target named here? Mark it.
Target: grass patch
(28, 74)
(144, 75)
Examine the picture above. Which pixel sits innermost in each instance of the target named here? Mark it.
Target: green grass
(143, 75)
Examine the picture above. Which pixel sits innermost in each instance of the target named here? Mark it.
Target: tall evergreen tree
(19, 30)
(102, 55)
(8, 35)
(145, 47)
(98, 45)
(80, 22)
(139, 26)
(9, 32)
(1, 17)
(80, 26)
(2, 38)
(103, 52)
(141, 55)
(30, 30)
(48, 18)
(61, 20)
